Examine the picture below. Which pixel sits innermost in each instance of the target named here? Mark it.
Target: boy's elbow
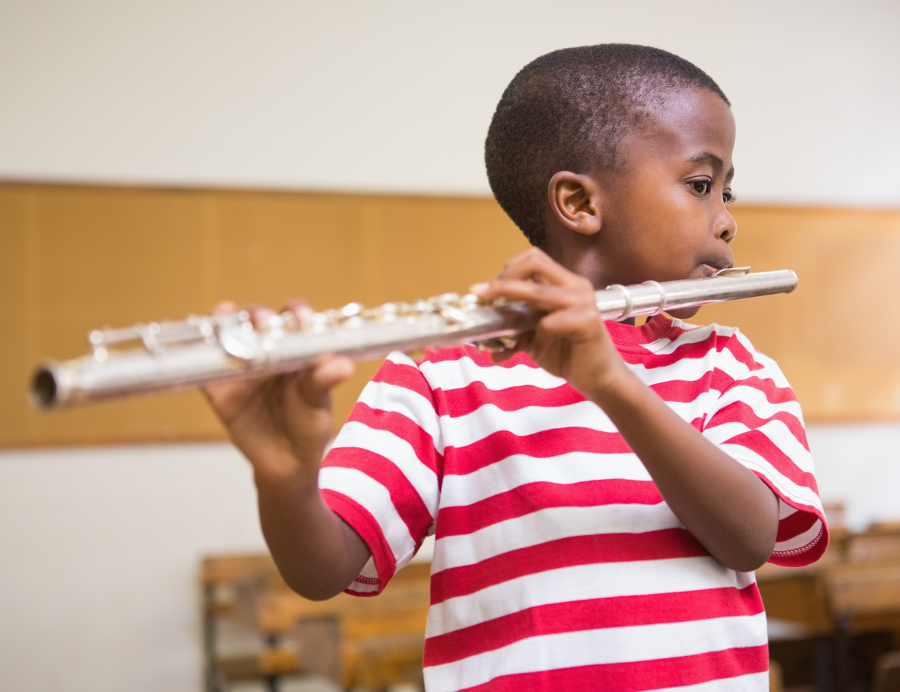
(754, 542)
(749, 563)
(319, 583)
(321, 594)
(316, 590)
(748, 558)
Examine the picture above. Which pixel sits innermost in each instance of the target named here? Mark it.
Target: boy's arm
(726, 507)
(282, 425)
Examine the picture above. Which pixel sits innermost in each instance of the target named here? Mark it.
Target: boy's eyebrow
(713, 160)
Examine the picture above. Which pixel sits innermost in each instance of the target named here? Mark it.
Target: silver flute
(203, 349)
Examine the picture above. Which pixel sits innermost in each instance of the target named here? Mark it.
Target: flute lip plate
(733, 271)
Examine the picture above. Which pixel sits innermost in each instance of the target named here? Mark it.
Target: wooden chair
(881, 541)
(776, 679)
(865, 590)
(363, 643)
(853, 589)
(887, 673)
(382, 638)
(222, 578)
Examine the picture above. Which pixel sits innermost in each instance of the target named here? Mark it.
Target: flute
(203, 349)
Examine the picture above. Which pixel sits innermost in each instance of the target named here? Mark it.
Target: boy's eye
(701, 187)
(728, 197)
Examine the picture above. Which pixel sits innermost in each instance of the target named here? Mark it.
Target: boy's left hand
(723, 504)
(570, 340)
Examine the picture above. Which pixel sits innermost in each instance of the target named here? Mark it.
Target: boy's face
(663, 210)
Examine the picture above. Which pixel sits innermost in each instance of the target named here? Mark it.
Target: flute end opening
(43, 391)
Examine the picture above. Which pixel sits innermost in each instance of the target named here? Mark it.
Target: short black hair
(568, 111)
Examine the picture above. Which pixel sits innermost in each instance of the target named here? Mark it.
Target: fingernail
(478, 288)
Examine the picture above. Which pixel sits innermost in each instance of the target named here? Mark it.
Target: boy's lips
(710, 268)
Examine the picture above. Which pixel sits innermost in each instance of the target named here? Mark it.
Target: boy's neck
(577, 254)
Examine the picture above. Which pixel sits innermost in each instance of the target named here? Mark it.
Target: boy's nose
(728, 229)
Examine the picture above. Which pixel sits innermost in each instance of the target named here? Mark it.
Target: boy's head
(588, 111)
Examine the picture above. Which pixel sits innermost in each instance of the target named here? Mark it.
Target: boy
(601, 496)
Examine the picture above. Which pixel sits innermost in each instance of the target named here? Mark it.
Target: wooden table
(853, 589)
(370, 643)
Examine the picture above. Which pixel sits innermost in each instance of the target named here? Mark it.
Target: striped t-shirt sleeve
(756, 419)
(381, 473)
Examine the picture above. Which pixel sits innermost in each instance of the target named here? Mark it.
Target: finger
(315, 385)
(259, 314)
(227, 398)
(576, 324)
(541, 297)
(332, 371)
(530, 253)
(536, 265)
(299, 308)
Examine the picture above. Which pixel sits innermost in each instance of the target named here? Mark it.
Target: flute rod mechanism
(204, 349)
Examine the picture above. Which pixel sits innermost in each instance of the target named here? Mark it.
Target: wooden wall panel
(836, 337)
(78, 257)
(75, 258)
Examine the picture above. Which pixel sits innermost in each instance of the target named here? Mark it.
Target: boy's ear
(575, 202)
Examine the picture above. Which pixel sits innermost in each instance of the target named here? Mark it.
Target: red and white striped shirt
(557, 564)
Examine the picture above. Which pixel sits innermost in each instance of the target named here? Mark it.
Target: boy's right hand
(281, 423)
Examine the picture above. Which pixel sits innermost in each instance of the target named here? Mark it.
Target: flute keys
(351, 315)
(497, 345)
(450, 308)
(318, 321)
(98, 345)
(383, 313)
(150, 337)
(274, 324)
(240, 343)
(351, 310)
(422, 307)
(206, 326)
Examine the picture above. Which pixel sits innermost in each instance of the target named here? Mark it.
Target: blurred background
(158, 157)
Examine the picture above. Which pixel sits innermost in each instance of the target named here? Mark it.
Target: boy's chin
(684, 313)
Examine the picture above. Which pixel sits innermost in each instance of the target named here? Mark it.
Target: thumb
(326, 372)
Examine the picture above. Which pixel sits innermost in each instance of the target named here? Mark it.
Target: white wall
(396, 96)
(100, 551)
(858, 464)
(99, 547)
(99, 556)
